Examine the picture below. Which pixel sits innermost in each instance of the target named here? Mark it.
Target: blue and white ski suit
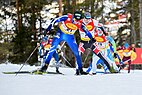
(65, 32)
(44, 49)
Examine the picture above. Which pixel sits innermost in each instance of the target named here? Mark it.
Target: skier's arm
(101, 26)
(83, 27)
(110, 39)
(103, 29)
(112, 42)
(59, 19)
(40, 50)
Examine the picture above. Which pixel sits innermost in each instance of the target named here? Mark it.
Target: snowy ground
(68, 84)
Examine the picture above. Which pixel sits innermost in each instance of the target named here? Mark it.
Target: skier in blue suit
(68, 25)
(44, 49)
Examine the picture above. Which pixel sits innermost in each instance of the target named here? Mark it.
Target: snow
(68, 84)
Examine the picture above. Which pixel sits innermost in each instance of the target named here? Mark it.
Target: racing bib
(71, 26)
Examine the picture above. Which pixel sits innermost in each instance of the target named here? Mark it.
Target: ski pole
(126, 60)
(123, 63)
(63, 44)
(27, 60)
(66, 60)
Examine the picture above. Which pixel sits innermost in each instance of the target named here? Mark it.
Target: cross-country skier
(87, 43)
(67, 27)
(127, 52)
(114, 50)
(43, 46)
(107, 47)
(44, 49)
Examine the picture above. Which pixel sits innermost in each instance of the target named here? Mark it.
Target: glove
(104, 31)
(45, 32)
(115, 55)
(122, 65)
(41, 56)
(49, 28)
(93, 40)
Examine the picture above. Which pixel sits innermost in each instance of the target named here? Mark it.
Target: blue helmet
(87, 15)
(45, 38)
(100, 32)
(126, 45)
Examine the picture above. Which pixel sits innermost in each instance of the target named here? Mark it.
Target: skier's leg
(81, 50)
(110, 59)
(73, 45)
(100, 61)
(76, 53)
(89, 68)
(44, 57)
(56, 57)
(129, 66)
(94, 63)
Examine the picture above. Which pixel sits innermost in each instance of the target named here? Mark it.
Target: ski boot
(41, 71)
(57, 70)
(112, 70)
(94, 73)
(80, 72)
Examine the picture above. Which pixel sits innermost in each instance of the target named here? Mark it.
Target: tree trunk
(133, 32)
(140, 11)
(60, 7)
(18, 15)
(74, 5)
